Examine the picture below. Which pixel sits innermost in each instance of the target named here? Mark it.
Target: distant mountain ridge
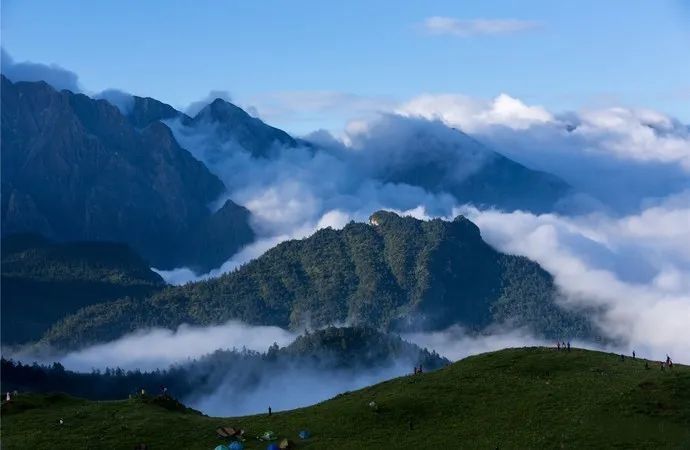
(394, 273)
(75, 168)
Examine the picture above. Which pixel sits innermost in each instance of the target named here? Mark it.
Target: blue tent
(304, 434)
(273, 446)
(236, 445)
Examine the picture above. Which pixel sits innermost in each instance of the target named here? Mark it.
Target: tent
(229, 432)
(268, 436)
(236, 446)
(286, 444)
(222, 447)
(273, 446)
(304, 434)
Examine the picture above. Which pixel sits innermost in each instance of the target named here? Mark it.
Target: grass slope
(515, 398)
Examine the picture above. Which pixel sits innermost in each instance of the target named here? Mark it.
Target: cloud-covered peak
(56, 76)
(213, 96)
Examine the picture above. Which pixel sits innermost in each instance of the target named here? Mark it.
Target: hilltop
(392, 273)
(514, 398)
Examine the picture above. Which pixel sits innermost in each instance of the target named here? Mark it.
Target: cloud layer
(160, 348)
(633, 269)
(621, 244)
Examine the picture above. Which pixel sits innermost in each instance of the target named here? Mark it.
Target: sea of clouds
(619, 242)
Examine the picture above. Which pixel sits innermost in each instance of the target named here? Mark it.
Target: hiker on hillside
(568, 345)
(558, 345)
(269, 411)
(420, 369)
(8, 396)
(622, 357)
(646, 365)
(633, 354)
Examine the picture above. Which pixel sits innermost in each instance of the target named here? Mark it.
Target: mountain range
(79, 168)
(75, 168)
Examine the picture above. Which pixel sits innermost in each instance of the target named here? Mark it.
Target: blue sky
(275, 54)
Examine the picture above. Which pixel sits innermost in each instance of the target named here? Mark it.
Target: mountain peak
(233, 123)
(222, 110)
(467, 225)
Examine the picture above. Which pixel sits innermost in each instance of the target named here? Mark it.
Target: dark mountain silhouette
(75, 168)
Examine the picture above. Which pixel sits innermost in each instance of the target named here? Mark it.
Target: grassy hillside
(43, 281)
(516, 398)
(386, 274)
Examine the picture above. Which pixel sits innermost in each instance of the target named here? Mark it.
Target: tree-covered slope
(396, 272)
(511, 399)
(43, 281)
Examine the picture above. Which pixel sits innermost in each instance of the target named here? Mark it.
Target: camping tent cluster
(237, 439)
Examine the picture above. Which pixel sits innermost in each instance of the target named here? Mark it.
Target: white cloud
(635, 268)
(627, 134)
(120, 99)
(292, 387)
(471, 114)
(53, 74)
(456, 343)
(304, 111)
(440, 25)
(159, 348)
(641, 135)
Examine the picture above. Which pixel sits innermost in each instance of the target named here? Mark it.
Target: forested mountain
(75, 168)
(395, 272)
(43, 281)
(349, 349)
